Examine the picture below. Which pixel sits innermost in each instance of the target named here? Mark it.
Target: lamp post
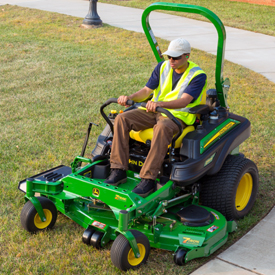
(92, 19)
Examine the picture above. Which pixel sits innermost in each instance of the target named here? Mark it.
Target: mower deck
(97, 206)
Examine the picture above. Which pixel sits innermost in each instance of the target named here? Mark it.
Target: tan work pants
(163, 131)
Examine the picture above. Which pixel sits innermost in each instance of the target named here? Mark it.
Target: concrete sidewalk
(251, 50)
(254, 253)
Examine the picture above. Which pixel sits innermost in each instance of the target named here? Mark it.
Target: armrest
(200, 109)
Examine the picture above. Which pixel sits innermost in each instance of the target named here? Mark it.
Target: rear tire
(30, 219)
(233, 190)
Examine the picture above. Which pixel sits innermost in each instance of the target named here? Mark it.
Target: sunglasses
(175, 58)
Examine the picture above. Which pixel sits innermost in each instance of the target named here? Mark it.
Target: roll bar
(222, 86)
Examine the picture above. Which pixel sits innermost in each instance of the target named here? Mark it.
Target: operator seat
(147, 134)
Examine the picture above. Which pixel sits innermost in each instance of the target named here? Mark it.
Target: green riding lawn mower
(204, 186)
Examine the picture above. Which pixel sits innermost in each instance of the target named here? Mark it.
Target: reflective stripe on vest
(187, 80)
(163, 77)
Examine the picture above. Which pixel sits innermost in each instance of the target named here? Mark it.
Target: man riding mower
(177, 85)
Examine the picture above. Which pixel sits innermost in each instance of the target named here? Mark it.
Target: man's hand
(139, 96)
(173, 104)
(151, 106)
(122, 100)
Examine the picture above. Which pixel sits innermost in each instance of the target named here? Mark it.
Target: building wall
(260, 2)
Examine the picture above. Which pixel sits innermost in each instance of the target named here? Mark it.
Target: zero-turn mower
(205, 183)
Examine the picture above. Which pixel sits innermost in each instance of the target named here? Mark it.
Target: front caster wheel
(122, 254)
(96, 239)
(179, 257)
(30, 219)
(87, 235)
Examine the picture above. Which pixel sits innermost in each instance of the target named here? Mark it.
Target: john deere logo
(96, 192)
(135, 162)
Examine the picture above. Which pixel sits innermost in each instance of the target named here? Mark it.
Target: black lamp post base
(92, 20)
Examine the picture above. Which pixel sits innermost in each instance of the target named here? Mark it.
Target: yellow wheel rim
(42, 225)
(244, 192)
(133, 261)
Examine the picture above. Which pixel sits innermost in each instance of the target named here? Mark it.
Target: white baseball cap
(178, 47)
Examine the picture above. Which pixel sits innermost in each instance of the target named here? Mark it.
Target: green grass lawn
(251, 17)
(54, 76)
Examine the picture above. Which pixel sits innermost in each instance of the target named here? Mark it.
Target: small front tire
(87, 235)
(179, 257)
(122, 254)
(30, 219)
(96, 239)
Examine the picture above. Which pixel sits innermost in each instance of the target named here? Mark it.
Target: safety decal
(212, 228)
(159, 52)
(98, 224)
(153, 36)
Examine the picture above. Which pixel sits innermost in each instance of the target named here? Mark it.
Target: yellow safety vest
(164, 91)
